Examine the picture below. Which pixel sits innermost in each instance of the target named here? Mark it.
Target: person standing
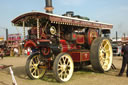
(125, 60)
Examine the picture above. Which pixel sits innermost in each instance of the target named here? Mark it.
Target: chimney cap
(48, 8)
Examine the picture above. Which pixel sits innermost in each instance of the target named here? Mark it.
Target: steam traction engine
(62, 43)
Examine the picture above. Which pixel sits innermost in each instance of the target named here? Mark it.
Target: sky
(108, 11)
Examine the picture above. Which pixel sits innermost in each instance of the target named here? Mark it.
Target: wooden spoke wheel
(35, 68)
(63, 67)
(101, 54)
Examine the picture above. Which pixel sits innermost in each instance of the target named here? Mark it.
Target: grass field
(85, 76)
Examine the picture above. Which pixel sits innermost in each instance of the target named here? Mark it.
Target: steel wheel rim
(35, 71)
(65, 68)
(105, 55)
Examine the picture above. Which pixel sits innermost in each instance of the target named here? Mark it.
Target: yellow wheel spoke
(60, 62)
(31, 67)
(38, 73)
(60, 68)
(105, 54)
(68, 63)
(34, 71)
(105, 45)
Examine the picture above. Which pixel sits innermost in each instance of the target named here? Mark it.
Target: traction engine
(62, 43)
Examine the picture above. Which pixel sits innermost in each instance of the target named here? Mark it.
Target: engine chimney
(49, 8)
(7, 34)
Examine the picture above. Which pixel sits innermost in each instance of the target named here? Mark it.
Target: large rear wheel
(101, 54)
(63, 67)
(35, 68)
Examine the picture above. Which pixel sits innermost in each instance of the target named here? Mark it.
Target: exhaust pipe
(7, 34)
(48, 7)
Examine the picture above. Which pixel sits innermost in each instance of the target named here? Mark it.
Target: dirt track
(86, 76)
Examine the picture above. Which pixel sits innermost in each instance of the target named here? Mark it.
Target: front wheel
(63, 67)
(35, 68)
(101, 54)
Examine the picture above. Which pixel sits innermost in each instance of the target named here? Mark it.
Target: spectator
(125, 59)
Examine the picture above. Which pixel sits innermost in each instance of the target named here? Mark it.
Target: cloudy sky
(109, 11)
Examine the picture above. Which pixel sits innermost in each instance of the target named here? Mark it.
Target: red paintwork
(75, 56)
(64, 45)
(45, 51)
(89, 36)
(85, 56)
(80, 56)
(30, 43)
(74, 35)
(72, 46)
(80, 39)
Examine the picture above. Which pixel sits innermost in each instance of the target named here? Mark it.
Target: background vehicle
(11, 46)
(116, 49)
(14, 41)
(62, 43)
(4, 50)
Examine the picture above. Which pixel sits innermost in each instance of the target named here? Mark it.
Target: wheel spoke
(64, 59)
(60, 68)
(38, 73)
(37, 61)
(65, 75)
(60, 62)
(68, 63)
(34, 60)
(31, 67)
(34, 71)
(107, 50)
(105, 45)
(101, 47)
(60, 74)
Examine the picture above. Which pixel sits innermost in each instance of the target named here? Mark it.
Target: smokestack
(49, 8)
(116, 36)
(7, 34)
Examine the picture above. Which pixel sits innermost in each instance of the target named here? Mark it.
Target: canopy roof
(28, 17)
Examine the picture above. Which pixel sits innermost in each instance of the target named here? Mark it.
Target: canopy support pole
(24, 29)
(59, 27)
(38, 26)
